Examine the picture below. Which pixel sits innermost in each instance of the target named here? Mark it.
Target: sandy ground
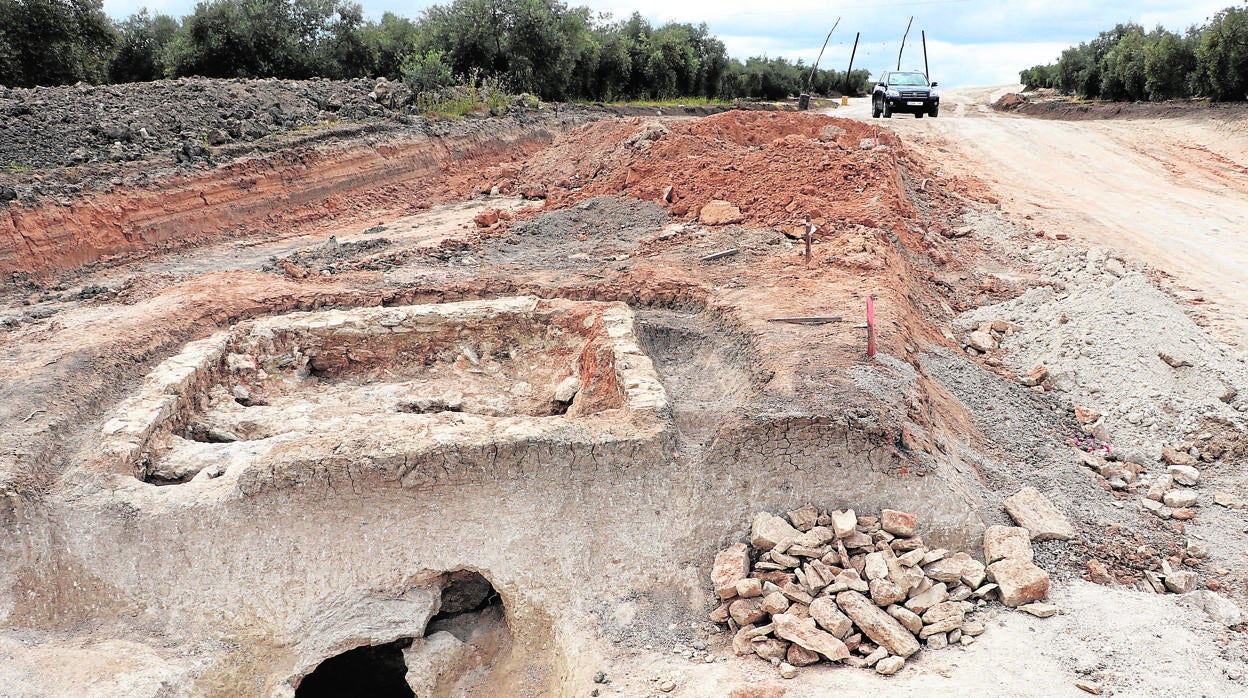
(1172, 193)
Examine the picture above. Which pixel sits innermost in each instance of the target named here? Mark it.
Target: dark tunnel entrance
(371, 671)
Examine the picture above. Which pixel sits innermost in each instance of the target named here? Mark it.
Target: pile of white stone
(863, 591)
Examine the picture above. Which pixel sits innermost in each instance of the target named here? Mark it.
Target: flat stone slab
(1002, 542)
(884, 629)
(1034, 512)
(1019, 581)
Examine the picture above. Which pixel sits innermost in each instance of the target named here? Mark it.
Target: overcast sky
(969, 42)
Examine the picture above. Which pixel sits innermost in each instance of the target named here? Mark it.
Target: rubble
(865, 591)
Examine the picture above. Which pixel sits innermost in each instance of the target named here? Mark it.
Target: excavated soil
(1047, 103)
(467, 402)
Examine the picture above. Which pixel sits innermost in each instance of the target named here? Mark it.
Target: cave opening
(371, 671)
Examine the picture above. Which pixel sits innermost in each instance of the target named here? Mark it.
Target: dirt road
(1170, 192)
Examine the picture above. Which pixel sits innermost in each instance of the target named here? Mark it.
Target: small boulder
(805, 518)
(1039, 610)
(1182, 581)
(956, 568)
(775, 602)
(771, 648)
(885, 593)
(749, 587)
(907, 618)
(1220, 609)
(800, 656)
(898, 523)
(1173, 456)
(718, 212)
(1184, 474)
(1034, 512)
(981, 341)
(1002, 542)
(1086, 415)
(747, 611)
(769, 530)
(921, 602)
(882, 628)
(1035, 377)
(1019, 581)
(1179, 498)
(889, 665)
(844, 522)
(731, 566)
(803, 631)
(829, 617)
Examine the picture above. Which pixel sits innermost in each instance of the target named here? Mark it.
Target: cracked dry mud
(460, 411)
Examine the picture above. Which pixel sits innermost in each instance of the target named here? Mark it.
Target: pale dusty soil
(1171, 192)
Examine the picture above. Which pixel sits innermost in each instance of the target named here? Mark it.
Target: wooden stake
(719, 255)
(810, 230)
(807, 320)
(870, 327)
(903, 42)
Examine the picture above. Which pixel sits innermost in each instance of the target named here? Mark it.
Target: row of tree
(539, 46)
(1128, 63)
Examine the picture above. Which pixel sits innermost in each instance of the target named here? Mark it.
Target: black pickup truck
(908, 92)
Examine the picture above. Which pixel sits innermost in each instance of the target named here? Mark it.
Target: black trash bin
(803, 101)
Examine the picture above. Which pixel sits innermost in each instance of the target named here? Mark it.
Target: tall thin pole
(903, 42)
(810, 80)
(926, 71)
(849, 81)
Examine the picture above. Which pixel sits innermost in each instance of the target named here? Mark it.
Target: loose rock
(878, 625)
(802, 631)
(1039, 610)
(769, 530)
(731, 566)
(1002, 542)
(1034, 512)
(889, 665)
(898, 523)
(1184, 474)
(1019, 581)
(1179, 498)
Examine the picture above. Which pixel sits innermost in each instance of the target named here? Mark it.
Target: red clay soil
(775, 167)
(305, 188)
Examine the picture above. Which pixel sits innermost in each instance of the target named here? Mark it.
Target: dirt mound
(775, 167)
(1050, 104)
(1010, 102)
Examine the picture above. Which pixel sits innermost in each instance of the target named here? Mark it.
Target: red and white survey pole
(870, 327)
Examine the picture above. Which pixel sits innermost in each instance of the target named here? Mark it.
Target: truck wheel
(934, 112)
(918, 115)
(875, 110)
(888, 112)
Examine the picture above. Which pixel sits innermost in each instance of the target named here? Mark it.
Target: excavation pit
(500, 369)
